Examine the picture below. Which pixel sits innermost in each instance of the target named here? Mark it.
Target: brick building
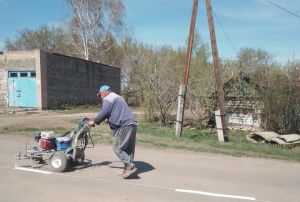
(43, 80)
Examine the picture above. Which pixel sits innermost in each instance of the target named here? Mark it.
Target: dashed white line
(33, 170)
(215, 194)
(163, 188)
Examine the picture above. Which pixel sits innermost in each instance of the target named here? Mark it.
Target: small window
(32, 74)
(13, 74)
(23, 74)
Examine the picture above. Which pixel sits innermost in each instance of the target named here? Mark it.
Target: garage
(22, 89)
(46, 80)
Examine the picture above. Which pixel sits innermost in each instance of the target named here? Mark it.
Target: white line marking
(33, 170)
(215, 194)
(150, 186)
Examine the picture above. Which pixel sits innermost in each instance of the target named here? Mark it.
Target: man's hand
(91, 124)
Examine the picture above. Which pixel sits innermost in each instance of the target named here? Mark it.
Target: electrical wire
(268, 1)
(282, 8)
(227, 36)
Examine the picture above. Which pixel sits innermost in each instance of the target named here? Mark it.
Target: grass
(155, 135)
(29, 131)
(197, 139)
(68, 108)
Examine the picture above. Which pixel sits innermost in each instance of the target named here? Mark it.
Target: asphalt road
(163, 175)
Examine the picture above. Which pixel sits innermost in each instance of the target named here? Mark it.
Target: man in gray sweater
(123, 125)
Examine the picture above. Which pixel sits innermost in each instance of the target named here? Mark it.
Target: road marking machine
(59, 151)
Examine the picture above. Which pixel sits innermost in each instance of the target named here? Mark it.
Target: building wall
(244, 120)
(244, 114)
(3, 88)
(60, 79)
(15, 61)
(75, 81)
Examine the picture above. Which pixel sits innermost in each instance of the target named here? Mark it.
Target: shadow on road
(142, 167)
(87, 164)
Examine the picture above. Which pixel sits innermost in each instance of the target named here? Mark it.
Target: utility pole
(218, 81)
(183, 88)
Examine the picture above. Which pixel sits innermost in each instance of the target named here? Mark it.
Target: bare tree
(95, 26)
(45, 38)
(154, 77)
(155, 74)
(164, 82)
(199, 104)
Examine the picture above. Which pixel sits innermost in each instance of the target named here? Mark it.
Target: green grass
(29, 131)
(193, 139)
(76, 108)
(197, 139)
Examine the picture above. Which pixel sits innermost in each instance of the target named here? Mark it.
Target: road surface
(163, 175)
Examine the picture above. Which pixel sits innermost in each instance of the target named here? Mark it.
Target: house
(242, 105)
(44, 80)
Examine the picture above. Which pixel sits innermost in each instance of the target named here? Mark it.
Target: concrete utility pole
(183, 88)
(221, 127)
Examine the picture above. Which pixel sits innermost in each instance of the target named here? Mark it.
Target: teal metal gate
(22, 89)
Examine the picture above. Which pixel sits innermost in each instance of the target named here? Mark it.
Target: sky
(238, 23)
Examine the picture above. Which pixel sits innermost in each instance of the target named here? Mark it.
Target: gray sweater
(116, 110)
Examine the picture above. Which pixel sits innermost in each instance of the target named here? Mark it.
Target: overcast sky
(247, 23)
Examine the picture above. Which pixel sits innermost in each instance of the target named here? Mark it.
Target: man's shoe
(129, 172)
(125, 168)
(121, 173)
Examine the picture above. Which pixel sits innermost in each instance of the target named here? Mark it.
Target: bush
(280, 110)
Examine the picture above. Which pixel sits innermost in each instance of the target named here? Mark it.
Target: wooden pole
(181, 102)
(217, 71)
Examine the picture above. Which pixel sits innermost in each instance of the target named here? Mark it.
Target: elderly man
(123, 125)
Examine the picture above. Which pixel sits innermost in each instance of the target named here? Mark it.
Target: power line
(268, 1)
(227, 36)
(282, 8)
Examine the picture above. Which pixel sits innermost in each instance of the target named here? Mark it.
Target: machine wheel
(59, 162)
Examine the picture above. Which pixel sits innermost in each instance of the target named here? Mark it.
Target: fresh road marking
(215, 194)
(32, 170)
(150, 186)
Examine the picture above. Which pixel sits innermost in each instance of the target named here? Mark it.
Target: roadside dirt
(42, 119)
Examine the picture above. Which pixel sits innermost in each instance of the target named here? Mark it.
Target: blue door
(22, 89)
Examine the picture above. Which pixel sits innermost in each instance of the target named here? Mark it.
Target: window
(23, 74)
(13, 74)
